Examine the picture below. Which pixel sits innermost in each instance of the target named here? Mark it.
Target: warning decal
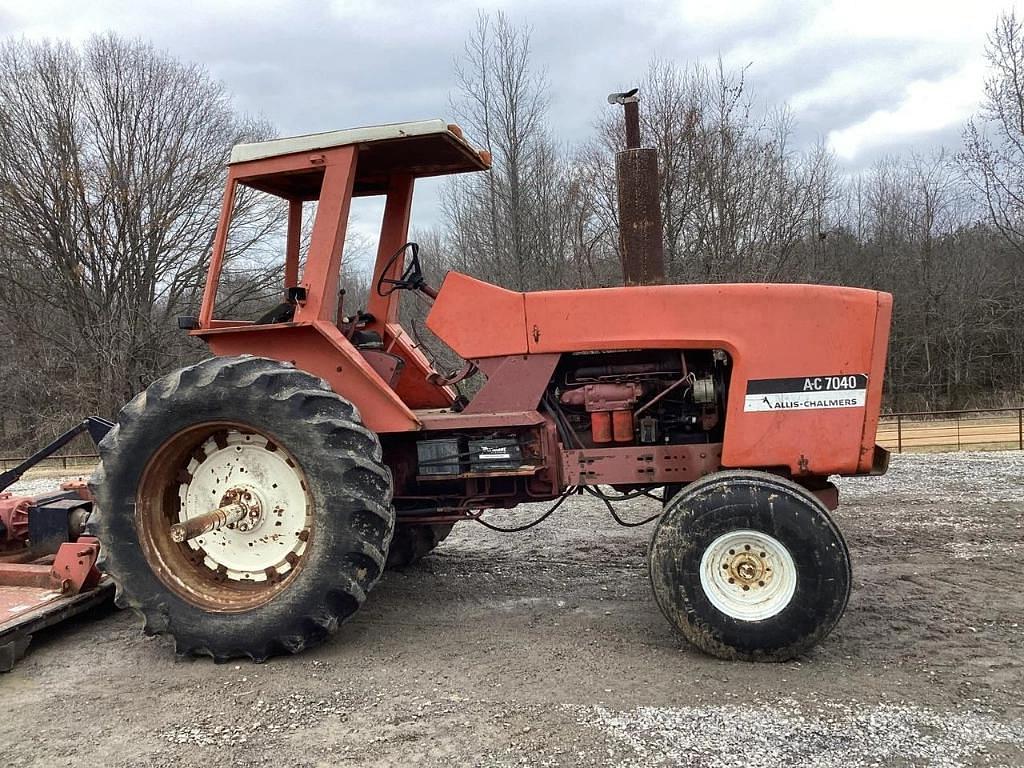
(804, 393)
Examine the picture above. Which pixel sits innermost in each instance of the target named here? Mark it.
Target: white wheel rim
(748, 575)
(271, 543)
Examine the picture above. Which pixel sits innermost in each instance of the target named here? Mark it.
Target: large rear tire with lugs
(412, 543)
(306, 501)
(748, 565)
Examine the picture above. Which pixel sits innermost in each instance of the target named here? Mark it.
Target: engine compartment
(642, 397)
(638, 418)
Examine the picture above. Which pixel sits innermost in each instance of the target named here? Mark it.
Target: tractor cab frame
(331, 169)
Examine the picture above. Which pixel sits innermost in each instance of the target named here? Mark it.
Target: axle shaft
(209, 521)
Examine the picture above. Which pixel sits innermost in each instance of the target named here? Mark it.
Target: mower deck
(36, 595)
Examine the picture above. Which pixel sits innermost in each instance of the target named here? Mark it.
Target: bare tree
(993, 154)
(738, 201)
(508, 224)
(112, 166)
(911, 226)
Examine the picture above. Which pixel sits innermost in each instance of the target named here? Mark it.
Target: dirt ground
(545, 648)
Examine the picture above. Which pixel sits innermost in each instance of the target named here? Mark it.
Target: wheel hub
(249, 499)
(748, 575)
(247, 474)
(747, 571)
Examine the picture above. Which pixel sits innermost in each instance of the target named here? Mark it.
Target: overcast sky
(868, 76)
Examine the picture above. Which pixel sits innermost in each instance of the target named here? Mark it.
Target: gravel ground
(545, 648)
(42, 483)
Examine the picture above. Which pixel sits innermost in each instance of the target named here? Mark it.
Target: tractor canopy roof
(418, 149)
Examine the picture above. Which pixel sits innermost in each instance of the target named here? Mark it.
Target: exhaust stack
(641, 237)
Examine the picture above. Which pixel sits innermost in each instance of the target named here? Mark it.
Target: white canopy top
(313, 141)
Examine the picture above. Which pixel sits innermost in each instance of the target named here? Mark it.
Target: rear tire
(749, 566)
(411, 543)
(317, 544)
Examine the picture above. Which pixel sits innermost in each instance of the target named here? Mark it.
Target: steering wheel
(412, 275)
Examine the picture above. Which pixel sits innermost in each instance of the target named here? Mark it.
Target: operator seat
(282, 313)
(363, 339)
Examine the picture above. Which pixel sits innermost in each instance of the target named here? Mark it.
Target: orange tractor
(246, 505)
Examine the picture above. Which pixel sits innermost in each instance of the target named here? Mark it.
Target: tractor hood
(786, 344)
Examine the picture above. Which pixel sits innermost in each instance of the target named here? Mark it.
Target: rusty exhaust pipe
(641, 236)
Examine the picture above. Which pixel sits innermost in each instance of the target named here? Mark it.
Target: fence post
(899, 434)
(1020, 428)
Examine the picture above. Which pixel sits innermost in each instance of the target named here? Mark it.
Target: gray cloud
(318, 65)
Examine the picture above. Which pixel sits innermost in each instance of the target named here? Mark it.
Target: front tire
(749, 566)
(320, 521)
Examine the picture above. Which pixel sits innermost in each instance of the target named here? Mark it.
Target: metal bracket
(94, 425)
(74, 567)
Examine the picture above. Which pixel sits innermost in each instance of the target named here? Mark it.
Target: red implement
(39, 594)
